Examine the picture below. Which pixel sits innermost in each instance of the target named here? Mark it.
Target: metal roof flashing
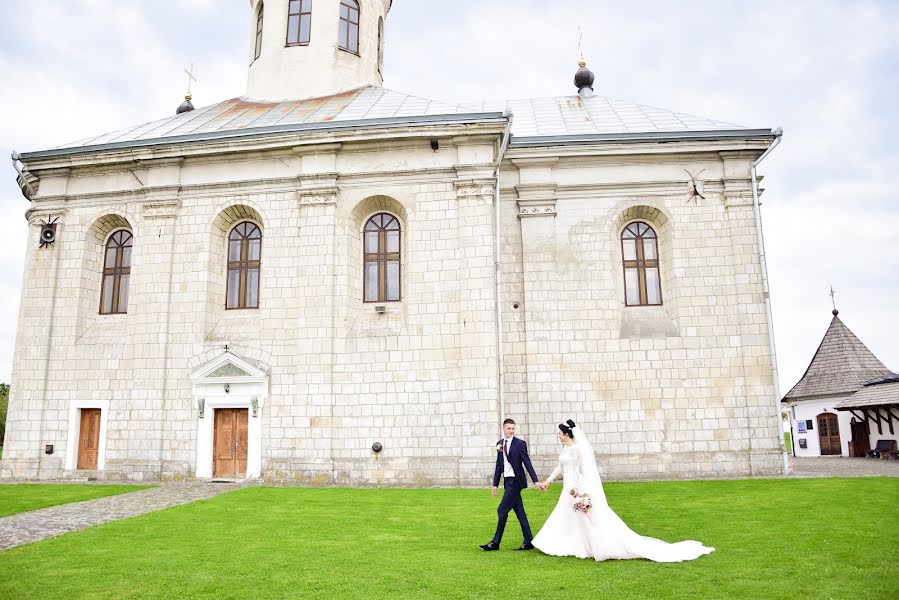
(271, 131)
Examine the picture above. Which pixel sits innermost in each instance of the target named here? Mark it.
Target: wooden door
(230, 442)
(829, 434)
(89, 439)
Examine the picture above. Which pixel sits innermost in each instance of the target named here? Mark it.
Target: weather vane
(580, 42)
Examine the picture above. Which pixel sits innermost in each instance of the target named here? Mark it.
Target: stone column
(26, 434)
(537, 211)
(478, 363)
(761, 414)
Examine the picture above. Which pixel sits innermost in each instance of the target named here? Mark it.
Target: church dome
(584, 79)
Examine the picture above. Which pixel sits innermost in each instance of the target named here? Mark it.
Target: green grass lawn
(827, 538)
(788, 442)
(16, 498)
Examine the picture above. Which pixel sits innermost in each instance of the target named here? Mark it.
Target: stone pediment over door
(229, 368)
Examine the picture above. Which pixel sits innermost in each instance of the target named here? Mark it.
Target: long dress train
(600, 533)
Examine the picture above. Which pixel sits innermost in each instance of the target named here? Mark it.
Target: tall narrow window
(244, 259)
(299, 22)
(348, 37)
(381, 45)
(382, 259)
(116, 273)
(258, 49)
(640, 252)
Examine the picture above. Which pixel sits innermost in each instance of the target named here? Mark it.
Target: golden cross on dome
(191, 77)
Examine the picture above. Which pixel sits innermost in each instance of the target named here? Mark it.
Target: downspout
(497, 270)
(763, 264)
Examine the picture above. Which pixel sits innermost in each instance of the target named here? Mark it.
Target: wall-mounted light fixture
(254, 404)
(377, 447)
(201, 407)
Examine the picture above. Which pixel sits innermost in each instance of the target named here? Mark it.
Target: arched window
(382, 259)
(258, 49)
(116, 273)
(640, 253)
(299, 22)
(244, 254)
(348, 38)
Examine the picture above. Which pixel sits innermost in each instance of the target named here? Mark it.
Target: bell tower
(308, 48)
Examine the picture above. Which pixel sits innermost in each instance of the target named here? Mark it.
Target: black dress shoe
(489, 546)
(528, 546)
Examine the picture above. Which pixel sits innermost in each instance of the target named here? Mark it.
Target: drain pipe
(763, 264)
(497, 271)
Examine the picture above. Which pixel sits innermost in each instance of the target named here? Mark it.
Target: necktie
(506, 448)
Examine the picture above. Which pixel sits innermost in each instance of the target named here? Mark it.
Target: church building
(325, 281)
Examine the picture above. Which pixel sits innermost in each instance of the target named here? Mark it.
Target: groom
(511, 461)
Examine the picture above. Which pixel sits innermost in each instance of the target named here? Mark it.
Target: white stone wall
(673, 391)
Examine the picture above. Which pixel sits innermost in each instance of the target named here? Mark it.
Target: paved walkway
(27, 527)
(838, 466)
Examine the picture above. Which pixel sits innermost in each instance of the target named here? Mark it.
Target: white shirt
(509, 471)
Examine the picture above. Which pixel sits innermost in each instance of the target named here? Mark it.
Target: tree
(4, 400)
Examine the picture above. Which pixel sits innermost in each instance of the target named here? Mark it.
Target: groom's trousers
(511, 501)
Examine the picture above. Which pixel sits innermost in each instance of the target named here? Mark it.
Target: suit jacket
(518, 458)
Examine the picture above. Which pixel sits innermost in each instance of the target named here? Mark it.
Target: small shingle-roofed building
(327, 281)
(844, 389)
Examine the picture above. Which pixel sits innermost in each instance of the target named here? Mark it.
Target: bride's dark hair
(566, 429)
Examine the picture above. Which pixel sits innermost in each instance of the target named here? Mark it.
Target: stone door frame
(229, 381)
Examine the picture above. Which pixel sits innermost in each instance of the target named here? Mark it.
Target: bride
(597, 533)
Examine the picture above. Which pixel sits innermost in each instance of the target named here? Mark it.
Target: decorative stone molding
(318, 188)
(161, 210)
(37, 216)
(321, 195)
(536, 209)
(737, 192)
(474, 188)
(536, 200)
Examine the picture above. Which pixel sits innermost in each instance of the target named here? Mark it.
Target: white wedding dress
(600, 533)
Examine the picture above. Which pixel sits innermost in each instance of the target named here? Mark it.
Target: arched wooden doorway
(829, 434)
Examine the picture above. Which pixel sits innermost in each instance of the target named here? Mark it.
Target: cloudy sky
(827, 72)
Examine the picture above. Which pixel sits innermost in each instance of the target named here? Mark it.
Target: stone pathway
(27, 527)
(838, 466)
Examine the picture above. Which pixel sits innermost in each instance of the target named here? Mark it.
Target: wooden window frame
(351, 5)
(641, 264)
(300, 14)
(243, 265)
(382, 257)
(257, 51)
(117, 271)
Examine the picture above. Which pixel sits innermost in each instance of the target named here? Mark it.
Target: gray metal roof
(878, 394)
(559, 118)
(842, 364)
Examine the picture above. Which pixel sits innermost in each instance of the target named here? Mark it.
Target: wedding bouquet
(582, 502)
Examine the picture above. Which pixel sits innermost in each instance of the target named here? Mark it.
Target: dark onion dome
(186, 106)
(584, 78)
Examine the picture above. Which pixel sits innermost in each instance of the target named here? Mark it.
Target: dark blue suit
(519, 461)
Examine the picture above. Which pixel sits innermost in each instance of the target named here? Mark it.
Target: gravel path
(838, 466)
(27, 527)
